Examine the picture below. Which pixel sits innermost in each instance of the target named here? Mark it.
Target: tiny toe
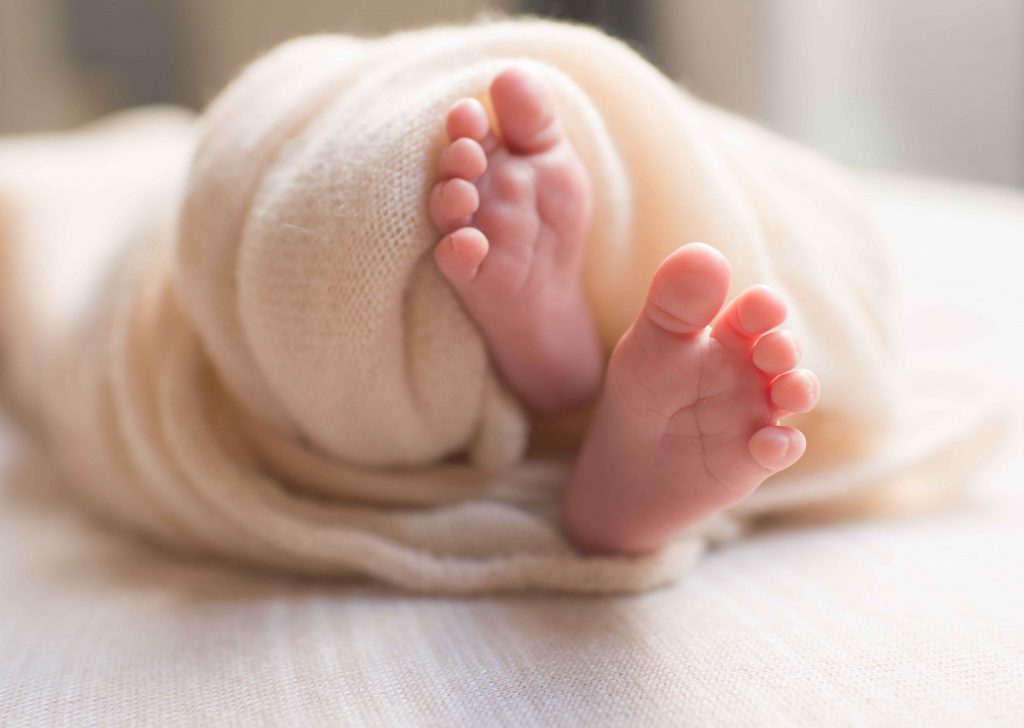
(777, 447)
(468, 118)
(687, 290)
(795, 391)
(777, 352)
(463, 158)
(525, 110)
(452, 203)
(755, 311)
(459, 254)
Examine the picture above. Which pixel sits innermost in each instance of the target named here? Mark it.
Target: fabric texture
(257, 358)
(879, 622)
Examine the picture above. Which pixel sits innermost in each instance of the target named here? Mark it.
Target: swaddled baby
(328, 328)
(688, 412)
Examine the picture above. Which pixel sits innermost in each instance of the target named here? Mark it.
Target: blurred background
(931, 88)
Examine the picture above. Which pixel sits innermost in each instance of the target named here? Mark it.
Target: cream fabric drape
(257, 359)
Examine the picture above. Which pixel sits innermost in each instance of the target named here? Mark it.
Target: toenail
(742, 317)
(782, 441)
(795, 343)
(813, 387)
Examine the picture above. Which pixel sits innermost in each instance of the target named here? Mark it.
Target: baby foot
(688, 419)
(515, 205)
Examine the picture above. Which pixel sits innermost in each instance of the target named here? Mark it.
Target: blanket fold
(255, 356)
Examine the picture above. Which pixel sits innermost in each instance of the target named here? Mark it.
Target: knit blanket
(233, 337)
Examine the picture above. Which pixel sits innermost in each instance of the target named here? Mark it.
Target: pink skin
(687, 422)
(516, 212)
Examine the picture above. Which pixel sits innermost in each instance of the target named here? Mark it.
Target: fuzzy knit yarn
(232, 334)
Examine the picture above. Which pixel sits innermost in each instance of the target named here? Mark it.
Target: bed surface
(893, 621)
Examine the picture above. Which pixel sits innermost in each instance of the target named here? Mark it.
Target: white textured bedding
(890, 622)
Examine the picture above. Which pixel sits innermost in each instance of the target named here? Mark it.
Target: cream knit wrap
(274, 371)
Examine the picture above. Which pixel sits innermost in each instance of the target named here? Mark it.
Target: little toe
(459, 255)
(463, 158)
(452, 203)
(755, 311)
(777, 352)
(525, 110)
(795, 391)
(776, 447)
(687, 290)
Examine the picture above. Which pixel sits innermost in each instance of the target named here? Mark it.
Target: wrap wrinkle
(271, 369)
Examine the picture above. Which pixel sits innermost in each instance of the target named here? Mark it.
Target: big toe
(688, 289)
(525, 110)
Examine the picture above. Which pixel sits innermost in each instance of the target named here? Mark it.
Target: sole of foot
(688, 422)
(514, 204)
